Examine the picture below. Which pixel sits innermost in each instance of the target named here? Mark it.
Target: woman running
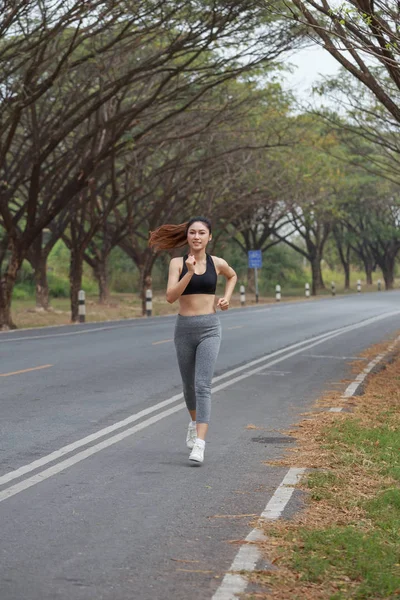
(193, 280)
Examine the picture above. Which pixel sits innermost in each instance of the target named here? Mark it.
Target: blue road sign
(255, 259)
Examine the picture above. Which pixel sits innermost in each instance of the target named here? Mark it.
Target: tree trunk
(7, 282)
(368, 267)
(42, 285)
(346, 268)
(101, 273)
(6, 289)
(317, 280)
(251, 283)
(387, 266)
(75, 279)
(344, 250)
(38, 256)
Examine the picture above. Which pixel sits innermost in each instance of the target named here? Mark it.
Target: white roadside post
(333, 288)
(307, 290)
(81, 306)
(358, 286)
(379, 285)
(149, 302)
(242, 295)
(278, 293)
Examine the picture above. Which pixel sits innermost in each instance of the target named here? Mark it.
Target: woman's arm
(231, 278)
(174, 286)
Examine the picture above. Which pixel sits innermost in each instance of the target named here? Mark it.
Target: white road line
(249, 554)
(107, 430)
(127, 323)
(53, 335)
(276, 505)
(354, 385)
(335, 357)
(43, 475)
(131, 419)
(321, 336)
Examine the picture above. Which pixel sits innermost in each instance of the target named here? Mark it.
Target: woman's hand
(223, 304)
(190, 263)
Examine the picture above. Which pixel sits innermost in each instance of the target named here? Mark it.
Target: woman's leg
(206, 357)
(186, 355)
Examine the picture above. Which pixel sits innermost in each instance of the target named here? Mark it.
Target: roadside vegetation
(345, 544)
(281, 266)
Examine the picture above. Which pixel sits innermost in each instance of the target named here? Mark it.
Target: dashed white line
(249, 554)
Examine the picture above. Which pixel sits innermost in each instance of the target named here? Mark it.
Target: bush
(282, 265)
(23, 291)
(125, 282)
(26, 275)
(90, 286)
(58, 286)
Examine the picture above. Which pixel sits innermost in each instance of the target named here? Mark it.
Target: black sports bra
(201, 284)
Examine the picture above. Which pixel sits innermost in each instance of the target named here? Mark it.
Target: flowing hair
(167, 237)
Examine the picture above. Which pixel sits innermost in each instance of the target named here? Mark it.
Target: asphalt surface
(123, 515)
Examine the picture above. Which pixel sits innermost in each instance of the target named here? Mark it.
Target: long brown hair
(167, 236)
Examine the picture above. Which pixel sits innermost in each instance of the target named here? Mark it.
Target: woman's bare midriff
(193, 305)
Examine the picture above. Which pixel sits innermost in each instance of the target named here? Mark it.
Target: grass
(366, 559)
(345, 544)
(120, 306)
(378, 445)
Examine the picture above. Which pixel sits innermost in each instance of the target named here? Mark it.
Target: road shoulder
(345, 541)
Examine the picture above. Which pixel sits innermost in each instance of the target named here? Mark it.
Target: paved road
(97, 500)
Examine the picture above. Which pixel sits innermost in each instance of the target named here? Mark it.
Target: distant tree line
(116, 117)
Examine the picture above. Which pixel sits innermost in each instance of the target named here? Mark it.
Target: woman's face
(198, 236)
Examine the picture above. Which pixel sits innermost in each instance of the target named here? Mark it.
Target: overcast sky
(310, 64)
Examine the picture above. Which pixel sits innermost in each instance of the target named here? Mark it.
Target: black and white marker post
(255, 262)
(149, 303)
(242, 295)
(81, 306)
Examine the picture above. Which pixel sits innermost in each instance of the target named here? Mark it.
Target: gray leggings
(197, 340)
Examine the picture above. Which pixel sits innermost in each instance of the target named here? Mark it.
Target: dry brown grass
(121, 306)
(342, 504)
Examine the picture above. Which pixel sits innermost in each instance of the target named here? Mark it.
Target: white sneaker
(197, 454)
(191, 436)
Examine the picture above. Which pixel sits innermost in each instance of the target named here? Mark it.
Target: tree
(309, 193)
(363, 36)
(372, 216)
(359, 34)
(67, 68)
(342, 239)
